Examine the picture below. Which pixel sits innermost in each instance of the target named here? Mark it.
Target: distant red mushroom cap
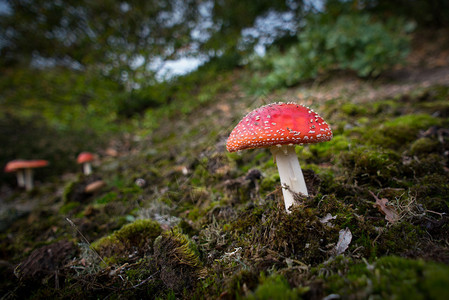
(15, 165)
(84, 157)
(35, 163)
(278, 124)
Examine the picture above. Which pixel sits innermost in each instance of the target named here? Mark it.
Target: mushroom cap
(15, 165)
(84, 157)
(36, 163)
(278, 124)
(94, 186)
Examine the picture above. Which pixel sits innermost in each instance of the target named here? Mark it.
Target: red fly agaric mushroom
(85, 158)
(28, 166)
(280, 127)
(17, 167)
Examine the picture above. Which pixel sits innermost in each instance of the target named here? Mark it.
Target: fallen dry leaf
(344, 239)
(382, 205)
(327, 218)
(94, 186)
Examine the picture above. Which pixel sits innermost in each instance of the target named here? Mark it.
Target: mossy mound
(134, 238)
(177, 260)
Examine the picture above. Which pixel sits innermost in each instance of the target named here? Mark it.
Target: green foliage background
(354, 42)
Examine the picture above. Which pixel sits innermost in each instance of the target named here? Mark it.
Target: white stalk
(87, 168)
(28, 179)
(292, 179)
(20, 178)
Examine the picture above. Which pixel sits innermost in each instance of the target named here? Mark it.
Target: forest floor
(177, 216)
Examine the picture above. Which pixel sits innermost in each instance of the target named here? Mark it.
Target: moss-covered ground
(179, 217)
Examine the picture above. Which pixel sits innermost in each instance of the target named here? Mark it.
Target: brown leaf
(94, 186)
(382, 205)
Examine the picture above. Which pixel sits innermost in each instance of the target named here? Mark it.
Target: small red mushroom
(27, 166)
(85, 158)
(280, 127)
(17, 167)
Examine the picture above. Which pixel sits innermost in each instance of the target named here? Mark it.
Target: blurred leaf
(382, 205)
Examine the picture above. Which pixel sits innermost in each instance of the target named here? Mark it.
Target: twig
(146, 280)
(441, 214)
(84, 238)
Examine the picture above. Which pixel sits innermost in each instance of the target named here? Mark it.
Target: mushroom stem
(20, 178)
(29, 179)
(292, 179)
(87, 168)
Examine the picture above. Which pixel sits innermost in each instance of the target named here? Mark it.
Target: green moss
(269, 164)
(438, 107)
(385, 107)
(405, 128)
(412, 122)
(255, 159)
(261, 156)
(109, 197)
(242, 279)
(142, 270)
(275, 287)
(352, 109)
(184, 250)
(193, 214)
(247, 219)
(363, 121)
(430, 164)
(177, 258)
(305, 237)
(67, 189)
(325, 151)
(137, 236)
(131, 190)
(436, 281)
(299, 233)
(371, 165)
(400, 131)
(68, 207)
(270, 181)
(233, 156)
(391, 277)
(432, 191)
(399, 238)
(424, 146)
(433, 100)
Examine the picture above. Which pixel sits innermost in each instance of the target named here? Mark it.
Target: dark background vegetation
(82, 75)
